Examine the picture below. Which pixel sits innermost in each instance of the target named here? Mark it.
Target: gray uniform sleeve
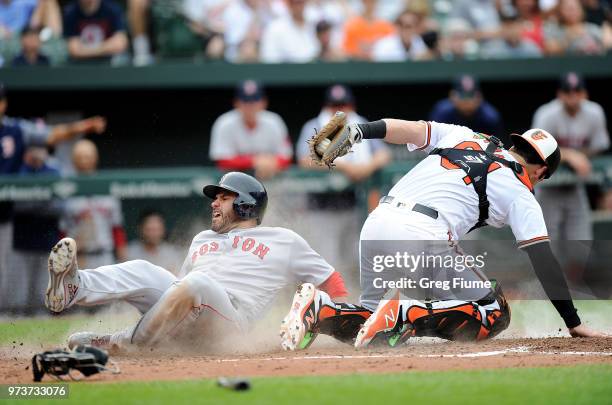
(543, 120)
(600, 140)
(284, 145)
(220, 141)
(306, 264)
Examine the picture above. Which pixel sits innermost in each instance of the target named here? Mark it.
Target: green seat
(172, 34)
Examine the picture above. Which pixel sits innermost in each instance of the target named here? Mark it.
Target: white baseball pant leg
(389, 223)
(137, 282)
(196, 308)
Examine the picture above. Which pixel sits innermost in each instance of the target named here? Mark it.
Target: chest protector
(476, 164)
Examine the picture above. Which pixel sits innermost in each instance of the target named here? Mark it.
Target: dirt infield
(418, 355)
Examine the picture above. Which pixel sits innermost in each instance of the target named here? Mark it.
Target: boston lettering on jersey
(258, 249)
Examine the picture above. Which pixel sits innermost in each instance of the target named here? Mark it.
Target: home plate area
(419, 355)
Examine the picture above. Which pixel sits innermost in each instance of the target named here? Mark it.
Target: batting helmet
(544, 144)
(251, 199)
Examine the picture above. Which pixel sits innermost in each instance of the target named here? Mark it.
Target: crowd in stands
(43, 32)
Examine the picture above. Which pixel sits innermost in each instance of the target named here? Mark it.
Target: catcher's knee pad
(342, 322)
(458, 322)
(462, 322)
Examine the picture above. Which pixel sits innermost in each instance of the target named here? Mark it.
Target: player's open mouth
(216, 214)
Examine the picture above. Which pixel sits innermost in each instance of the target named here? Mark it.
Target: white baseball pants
(172, 308)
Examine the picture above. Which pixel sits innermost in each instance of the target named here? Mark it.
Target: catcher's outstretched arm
(403, 132)
(396, 131)
(549, 273)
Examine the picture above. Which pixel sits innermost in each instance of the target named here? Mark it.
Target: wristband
(373, 130)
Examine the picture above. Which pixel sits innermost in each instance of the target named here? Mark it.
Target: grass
(562, 385)
(588, 384)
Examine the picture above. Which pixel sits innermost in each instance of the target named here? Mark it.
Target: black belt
(420, 208)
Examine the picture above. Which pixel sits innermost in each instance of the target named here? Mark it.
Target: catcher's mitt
(335, 139)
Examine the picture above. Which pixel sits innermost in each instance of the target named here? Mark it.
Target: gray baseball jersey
(253, 264)
(587, 130)
(230, 137)
(567, 210)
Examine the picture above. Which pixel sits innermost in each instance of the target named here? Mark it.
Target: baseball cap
(466, 86)
(544, 144)
(571, 81)
(339, 94)
(249, 91)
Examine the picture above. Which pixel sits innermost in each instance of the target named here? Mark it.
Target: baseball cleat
(385, 327)
(91, 339)
(63, 276)
(298, 328)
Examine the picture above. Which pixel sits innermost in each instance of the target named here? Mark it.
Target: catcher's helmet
(544, 144)
(251, 199)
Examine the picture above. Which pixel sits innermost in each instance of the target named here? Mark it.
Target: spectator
(30, 50)
(405, 44)
(290, 38)
(244, 22)
(206, 20)
(334, 12)
(427, 27)
(482, 16)
(137, 13)
(598, 12)
(48, 18)
(15, 15)
(152, 246)
(249, 137)
(512, 44)
(328, 52)
(363, 31)
(579, 126)
(95, 222)
(466, 106)
(95, 31)
(532, 22)
(35, 231)
(456, 42)
(572, 34)
(337, 212)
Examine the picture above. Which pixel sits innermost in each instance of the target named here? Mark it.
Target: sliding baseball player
(230, 276)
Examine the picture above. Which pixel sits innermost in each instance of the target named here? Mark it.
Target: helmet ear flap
(246, 211)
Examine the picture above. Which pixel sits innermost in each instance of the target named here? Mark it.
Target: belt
(420, 208)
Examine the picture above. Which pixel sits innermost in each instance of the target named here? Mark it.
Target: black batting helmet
(251, 199)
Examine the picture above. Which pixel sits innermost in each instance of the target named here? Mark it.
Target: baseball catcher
(467, 181)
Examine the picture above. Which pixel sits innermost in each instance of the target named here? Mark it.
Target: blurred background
(114, 114)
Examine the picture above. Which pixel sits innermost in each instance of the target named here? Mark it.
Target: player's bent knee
(196, 285)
